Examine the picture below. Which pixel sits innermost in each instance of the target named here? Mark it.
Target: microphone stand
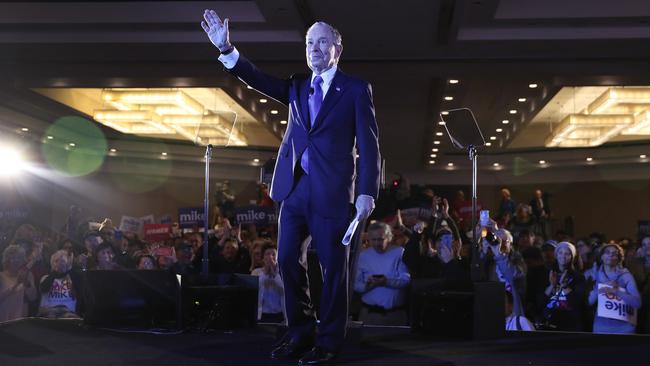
(206, 215)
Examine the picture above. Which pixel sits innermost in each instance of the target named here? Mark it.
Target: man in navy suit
(331, 120)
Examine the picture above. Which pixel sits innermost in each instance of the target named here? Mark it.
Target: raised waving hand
(216, 30)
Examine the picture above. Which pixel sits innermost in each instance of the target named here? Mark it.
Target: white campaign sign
(613, 307)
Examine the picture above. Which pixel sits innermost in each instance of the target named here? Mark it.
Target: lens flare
(78, 146)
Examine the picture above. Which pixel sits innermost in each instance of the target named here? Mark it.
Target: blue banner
(189, 217)
(256, 215)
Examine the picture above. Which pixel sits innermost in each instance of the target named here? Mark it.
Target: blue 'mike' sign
(189, 217)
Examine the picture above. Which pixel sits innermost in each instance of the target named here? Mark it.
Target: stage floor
(49, 342)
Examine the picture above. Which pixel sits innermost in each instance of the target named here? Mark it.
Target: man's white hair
(336, 35)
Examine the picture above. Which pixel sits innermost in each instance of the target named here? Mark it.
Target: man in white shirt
(382, 276)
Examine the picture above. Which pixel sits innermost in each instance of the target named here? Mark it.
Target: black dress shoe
(317, 356)
(290, 349)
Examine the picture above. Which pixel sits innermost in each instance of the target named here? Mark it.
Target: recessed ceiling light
(113, 150)
(521, 100)
(590, 159)
(72, 144)
(495, 164)
(434, 149)
(283, 122)
(441, 123)
(274, 111)
(499, 130)
(449, 97)
(488, 144)
(263, 100)
(453, 81)
(163, 153)
(542, 162)
(450, 164)
(505, 121)
(512, 111)
(434, 155)
(49, 137)
(436, 142)
(532, 85)
(643, 156)
(256, 160)
(432, 161)
(438, 133)
(444, 113)
(24, 129)
(493, 138)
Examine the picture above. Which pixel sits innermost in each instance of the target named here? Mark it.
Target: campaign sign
(190, 217)
(157, 232)
(130, 224)
(613, 307)
(256, 215)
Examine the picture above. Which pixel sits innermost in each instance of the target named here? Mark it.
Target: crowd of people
(552, 281)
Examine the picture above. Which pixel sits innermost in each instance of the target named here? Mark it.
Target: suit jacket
(345, 126)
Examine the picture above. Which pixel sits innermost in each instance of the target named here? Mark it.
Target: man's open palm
(216, 30)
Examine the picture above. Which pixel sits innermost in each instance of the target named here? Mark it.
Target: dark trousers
(297, 221)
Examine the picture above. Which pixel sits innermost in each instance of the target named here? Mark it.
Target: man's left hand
(365, 205)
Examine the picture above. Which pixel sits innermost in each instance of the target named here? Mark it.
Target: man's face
(320, 49)
(229, 251)
(378, 240)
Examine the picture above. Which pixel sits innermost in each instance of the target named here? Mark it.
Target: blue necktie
(315, 101)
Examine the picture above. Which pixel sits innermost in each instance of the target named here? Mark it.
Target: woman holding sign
(614, 294)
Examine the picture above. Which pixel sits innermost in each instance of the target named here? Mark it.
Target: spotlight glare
(438, 133)
(488, 144)
(274, 111)
(24, 129)
(436, 142)
(450, 164)
(432, 161)
(434, 155)
(11, 162)
(163, 153)
(434, 149)
(513, 111)
(495, 165)
(532, 85)
(256, 160)
(283, 122)
(521, 100)
(590, 159)
(50, 137)
(505, 121)
(453, 81)
(263, 100)
(499, 129)
(449, 98)
(643, 156)
(542, 162)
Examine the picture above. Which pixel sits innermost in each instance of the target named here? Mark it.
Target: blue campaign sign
(190, 216)
(256, 215)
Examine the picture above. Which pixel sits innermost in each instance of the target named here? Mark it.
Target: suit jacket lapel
(334, 92)
(304, 102)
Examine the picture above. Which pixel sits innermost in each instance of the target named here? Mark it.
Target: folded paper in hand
(347, 238)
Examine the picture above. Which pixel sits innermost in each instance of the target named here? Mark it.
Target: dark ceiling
(407, 50)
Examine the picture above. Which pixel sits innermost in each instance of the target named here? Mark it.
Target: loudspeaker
(477, 312)
(132, 298)
(221, 301)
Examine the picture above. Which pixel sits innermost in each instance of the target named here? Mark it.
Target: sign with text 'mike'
(256, 215)
(613, 307)
(189, 217)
